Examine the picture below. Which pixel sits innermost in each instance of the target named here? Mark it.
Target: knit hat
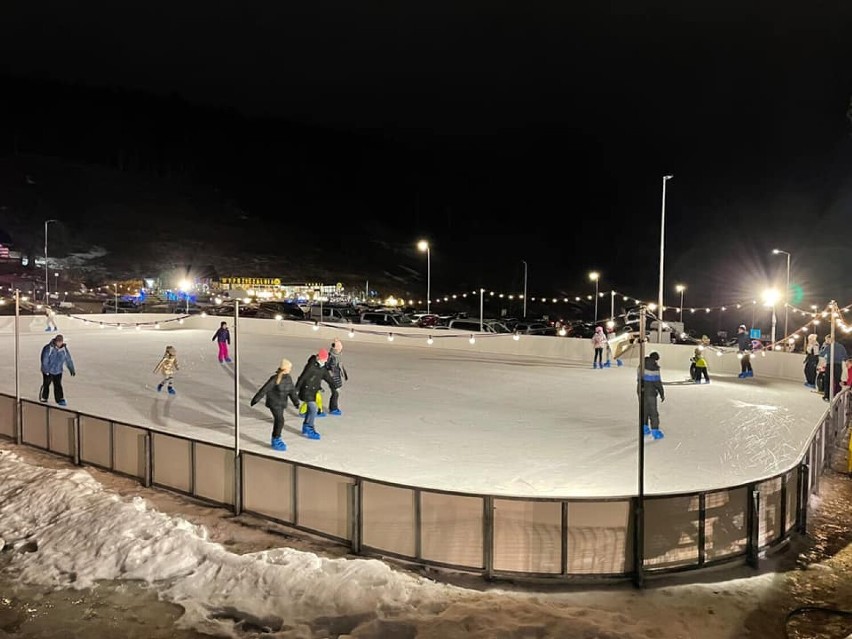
(654, 355)
(598, 329)
(322, 355)
(741, 327)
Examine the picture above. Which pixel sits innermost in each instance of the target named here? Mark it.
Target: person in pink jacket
(599, 342)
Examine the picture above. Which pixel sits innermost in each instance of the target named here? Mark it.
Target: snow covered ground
(453, 420)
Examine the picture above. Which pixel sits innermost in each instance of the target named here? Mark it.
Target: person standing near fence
(599, 343)
(811, 360)
(223, 337)
(55, 356)
(745, 348)
(834, 366)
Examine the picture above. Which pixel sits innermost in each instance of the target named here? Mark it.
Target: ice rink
(446, 419)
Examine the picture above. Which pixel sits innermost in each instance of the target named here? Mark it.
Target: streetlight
(423, 245)
(56, 283)
(787, 290)
(115, 291)
(666, 178)
(680, 288)
(770, 297)
(185, 286)
(525, 288)
(46, 287)
(595, 277)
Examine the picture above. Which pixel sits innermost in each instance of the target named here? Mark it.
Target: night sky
(517, 131)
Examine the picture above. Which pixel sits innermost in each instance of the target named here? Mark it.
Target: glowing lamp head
(594, 276)
(423, 245)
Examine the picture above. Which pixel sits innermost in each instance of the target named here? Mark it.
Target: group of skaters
(821, 361)
(305, 393)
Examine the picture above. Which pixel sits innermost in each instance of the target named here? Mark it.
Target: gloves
(662, 399)
(73, 373)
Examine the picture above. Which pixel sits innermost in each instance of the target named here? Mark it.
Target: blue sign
(754, 333)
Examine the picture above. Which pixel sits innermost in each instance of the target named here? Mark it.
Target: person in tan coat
(167, 367)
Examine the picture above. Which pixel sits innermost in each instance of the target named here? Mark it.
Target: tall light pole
(666, 178)
(770, 298)
(423, 245)
(46, 287)
(115, 291)
(680, 288)
(595, 277)
(786, 291)
(525, 287)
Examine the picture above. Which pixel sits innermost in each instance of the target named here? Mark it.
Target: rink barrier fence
(496, 536)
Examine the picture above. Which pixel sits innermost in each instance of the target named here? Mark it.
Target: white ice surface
(464, 421)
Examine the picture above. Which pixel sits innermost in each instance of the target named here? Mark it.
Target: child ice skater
(223, 337)
(167, 368)
(599, 342)
(277, 390)
(699, 366)
(649, 386)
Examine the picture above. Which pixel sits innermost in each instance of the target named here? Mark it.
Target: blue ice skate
(750, 374)
(172, 391)
(594, 364)
(619, 362)
(278, 444)
(309, 432)
(646, 430)
(657, 433)
(336, 411)
(607, 365)
(159, 387)
(62, 402)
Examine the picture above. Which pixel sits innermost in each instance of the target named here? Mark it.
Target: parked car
(473, 325)
(285, 310)
(332, 314)
(385, 318)
(124, 306)
(534, 328)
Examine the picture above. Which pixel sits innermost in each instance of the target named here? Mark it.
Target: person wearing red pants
(223, 337)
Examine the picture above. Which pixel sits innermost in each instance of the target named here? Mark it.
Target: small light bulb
(279, 317)
(101, 326)
(516, 337)
(119, 327)
(138, 328)
(157, 325)
(719, 353)
(429, 340)
(472, 340)
(390, 337)
(180, 321)
(316, 326)
(351, 333)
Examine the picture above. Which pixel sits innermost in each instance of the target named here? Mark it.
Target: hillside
(123, 224)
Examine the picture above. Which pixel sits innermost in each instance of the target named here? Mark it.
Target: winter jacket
(53, 358)
(222, 335)
(599, 340)
(276, 394)
(311, 379)
(839, 352)
(744, 342)
(167, 366)
(650, 374)
(336, 369)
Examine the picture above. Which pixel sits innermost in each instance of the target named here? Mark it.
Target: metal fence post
(355, 516)
(804, 492)
(753, 528)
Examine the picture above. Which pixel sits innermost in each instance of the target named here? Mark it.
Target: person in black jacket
(649, 385)
(276, 390)
(338, 375)
(307, 387)
(223, 337)
(745, 347)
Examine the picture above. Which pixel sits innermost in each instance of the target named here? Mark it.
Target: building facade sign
(250, 281)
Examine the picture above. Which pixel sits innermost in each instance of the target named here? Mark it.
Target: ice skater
(835, 358)
(745, 347)
(308, 385)
(50, 317)
(55, 356)
(599, 343)
(277, 389)
(698, 367)
(338, 375)
(223, 337)
(811, 360)
(649, 377)
(167, 367)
